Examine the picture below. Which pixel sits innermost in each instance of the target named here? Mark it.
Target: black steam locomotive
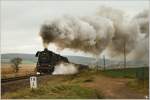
(47, 60)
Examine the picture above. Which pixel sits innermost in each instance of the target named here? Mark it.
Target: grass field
(85, 85)
(25, 69)
(53, 91)
(58, 87)
(142, 72)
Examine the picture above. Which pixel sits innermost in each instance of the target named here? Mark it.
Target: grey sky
(21, 20)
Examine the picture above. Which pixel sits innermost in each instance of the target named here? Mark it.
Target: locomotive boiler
(47, 60)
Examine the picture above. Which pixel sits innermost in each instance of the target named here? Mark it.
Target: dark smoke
(108, 29)
(90, 34)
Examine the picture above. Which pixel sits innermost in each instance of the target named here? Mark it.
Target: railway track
(80, 67)
(19, 78)
(17, 83)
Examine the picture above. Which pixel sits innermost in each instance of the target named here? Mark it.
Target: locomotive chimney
(45, 49)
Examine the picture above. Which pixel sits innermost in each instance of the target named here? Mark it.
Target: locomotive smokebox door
(47, 60)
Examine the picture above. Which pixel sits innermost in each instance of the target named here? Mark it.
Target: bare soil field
(25, 69)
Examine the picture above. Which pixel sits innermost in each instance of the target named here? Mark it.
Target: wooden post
(104, 61)
(97, 64)
(124, 50)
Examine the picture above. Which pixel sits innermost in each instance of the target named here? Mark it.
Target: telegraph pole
(124, 50)
(104, 61)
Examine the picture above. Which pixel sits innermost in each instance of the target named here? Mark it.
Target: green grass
(142, 72)
(71, 86)
(63, 90)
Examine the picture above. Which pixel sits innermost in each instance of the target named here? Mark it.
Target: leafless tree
(15, 63)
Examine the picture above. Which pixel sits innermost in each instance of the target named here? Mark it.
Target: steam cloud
(89, 34)
(65, 68)
(108, 29)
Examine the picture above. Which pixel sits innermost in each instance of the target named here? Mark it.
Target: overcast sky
(21, 21)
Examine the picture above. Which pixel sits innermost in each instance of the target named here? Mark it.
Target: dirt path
(114, 88)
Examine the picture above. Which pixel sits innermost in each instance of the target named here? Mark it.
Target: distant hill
(30, 59)
(5, 58)
(86, 60)
(27, 58)
(13, 55)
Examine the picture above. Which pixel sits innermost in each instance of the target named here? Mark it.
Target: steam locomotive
(47, 60)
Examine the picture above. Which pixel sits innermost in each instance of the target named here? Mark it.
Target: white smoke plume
(108, 29)
(141, 50)
(143, 21)
(64, 69)
(88, 34)
(126, 31)
(131, 34)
